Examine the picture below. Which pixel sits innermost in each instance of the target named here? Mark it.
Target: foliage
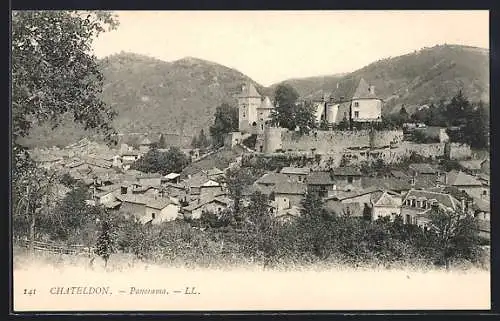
(67, 180)
(418, 136)
(154, 161)
(106, 242)
(200, 141)
(285, 100)
(226, 121)
(453, 235)
(161, 142)
(54, 71)
(305, 117)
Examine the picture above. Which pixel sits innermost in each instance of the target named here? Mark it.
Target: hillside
(150, 95)
(179, 98)
(421, 77)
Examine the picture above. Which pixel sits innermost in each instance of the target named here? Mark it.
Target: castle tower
(272, 139)
(264, 113)
(249, 101)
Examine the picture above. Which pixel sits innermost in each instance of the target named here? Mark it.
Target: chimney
(462, 203)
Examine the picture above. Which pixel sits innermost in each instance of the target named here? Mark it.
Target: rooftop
(273, 178)
(295, 170)
(320, 178)
(347, 171)
(460, 178)
(290, 188)
(248, 90)
(423, 168)
(444, 199)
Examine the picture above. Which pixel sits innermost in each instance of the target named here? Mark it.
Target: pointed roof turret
(266, 104)
(364, 90)
(248, 91)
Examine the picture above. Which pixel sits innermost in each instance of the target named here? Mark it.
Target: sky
(271, 46)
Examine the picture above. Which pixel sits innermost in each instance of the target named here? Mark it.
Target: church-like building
(254, 110)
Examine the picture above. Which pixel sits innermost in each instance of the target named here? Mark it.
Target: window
(244, 115)
(153, 216)
(349, 179)
(356, 114)
(356, 104)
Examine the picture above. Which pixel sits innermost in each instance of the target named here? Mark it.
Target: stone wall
(457, 151)
(327, 142)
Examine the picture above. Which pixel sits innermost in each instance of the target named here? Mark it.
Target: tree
(154, 161)
(54, 71)
(161, 142)
(105, 245)
(285, 100)
(226, 121)
(305, 117)
(476, 130)
(454, 234)
(202, 140)
(403, 115)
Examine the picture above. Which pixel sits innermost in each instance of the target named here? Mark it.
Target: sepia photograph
(250, 160)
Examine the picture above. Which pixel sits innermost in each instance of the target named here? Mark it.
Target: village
(338, 165)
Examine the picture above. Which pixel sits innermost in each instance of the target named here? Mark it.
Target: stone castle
(255, 111)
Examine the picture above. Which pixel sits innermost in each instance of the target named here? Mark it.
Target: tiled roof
(339, 208)
(273, 178)
(444, 199)
(392, 184)
(158, 203)
(400, 174)
(320, 178)
(460, 178)
(248, 90)
(290, 188)
(343, 195)
(214, 171)
(219, 199)
(423, 168)
(266, 104)
(347, 171)
(148, 175)
(146, 141)
(471, 164)
(387, 199)
(481, 205)
(130, 153)
(295, 170)
(172, 175)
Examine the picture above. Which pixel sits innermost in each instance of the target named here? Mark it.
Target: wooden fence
(55, 248)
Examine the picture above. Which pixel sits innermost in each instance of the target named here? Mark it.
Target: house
(484, 229)
(360, 105)
(177, 191)
(129, 157)
(321, 183)
(423, 169)
(400, 175)
(172, 178)
(133, 206)
(211, 204)
(471, 166)
(296, 174)
(467, 183)
(105, 195)
(271, 179)
(363, 199)
(214, 173)
(386, 204)
(399, 185)
(160, 210)
(417, 203)
(145, 145)
(288, 195)
(482, 209)
(347, 177)
(287, 215)
(200, 186)
(345, 209)
(149, 179)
